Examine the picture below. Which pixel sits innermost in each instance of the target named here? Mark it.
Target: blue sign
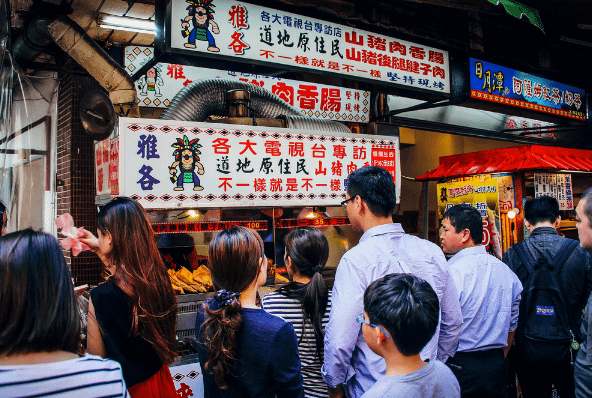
(498, 84)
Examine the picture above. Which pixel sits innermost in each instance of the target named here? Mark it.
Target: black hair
(2, 211)
(308, 249)
(376, 186)
(407, 307)
(465, 216)
(39, 309)
(541, 209)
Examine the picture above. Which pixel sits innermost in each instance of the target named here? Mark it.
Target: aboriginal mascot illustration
(151, 81)
(187, 159)
(201, 16)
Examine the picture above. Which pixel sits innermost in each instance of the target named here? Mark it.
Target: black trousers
(480, 374)
(535, 378)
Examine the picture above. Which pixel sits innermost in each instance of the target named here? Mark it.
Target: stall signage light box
(161, 83)
(248, 33)
(172, 164)
(558, 186)
(498, 84)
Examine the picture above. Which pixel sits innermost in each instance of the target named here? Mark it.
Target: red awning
(508, 160)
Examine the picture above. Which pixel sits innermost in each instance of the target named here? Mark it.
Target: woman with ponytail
(305, 302)
(243, 350)
(132, 316)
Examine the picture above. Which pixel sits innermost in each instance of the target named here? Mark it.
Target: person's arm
(337, 392)
(510, 341)
(286, 370)
(94, 340)
(451, 317)
(342, 331)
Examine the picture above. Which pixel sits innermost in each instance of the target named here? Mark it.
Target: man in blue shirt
(489, 298)
(384, 248)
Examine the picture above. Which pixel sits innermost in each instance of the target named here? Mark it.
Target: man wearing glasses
(384, 248)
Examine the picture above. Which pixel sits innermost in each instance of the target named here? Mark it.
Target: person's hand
(88, 238)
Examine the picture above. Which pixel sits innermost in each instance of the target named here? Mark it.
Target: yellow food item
(177, 289)
(202, 276)
(182, 284)
(185, 275)
(281, 279)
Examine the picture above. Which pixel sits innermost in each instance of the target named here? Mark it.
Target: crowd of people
(400, 320)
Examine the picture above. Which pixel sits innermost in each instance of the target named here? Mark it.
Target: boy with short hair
(400, 317)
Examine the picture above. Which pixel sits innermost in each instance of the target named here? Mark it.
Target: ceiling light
(126, 24)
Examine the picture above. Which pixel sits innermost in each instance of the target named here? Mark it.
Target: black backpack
(543, 332)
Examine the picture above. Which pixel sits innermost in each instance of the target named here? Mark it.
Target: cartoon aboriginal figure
(151, 81)
(187, 159)
(201, 15)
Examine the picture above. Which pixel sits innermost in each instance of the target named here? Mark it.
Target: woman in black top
(132, 316)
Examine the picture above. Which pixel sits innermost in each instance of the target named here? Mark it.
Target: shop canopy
(509, 160)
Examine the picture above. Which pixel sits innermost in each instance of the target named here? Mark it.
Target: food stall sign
(246, 33)
(205, 226)
(483, 194)
(172, 164)
(159, 85)
(311, 222)
(102, 162)
(501, 85)
(557, 186)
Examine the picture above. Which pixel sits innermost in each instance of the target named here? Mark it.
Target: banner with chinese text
(168, 164)
(161, 83)
(557, 186)
(495, 83)
(244, 32)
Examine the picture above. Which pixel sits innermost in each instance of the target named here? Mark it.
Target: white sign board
(245, 32)
(557, 186)
(170, 164)
(188, 380)
(161, 83)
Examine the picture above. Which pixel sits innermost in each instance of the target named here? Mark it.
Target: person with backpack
(557, 281)
(489, 295)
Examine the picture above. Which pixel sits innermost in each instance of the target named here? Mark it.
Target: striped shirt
(87, 376)
(291, 311)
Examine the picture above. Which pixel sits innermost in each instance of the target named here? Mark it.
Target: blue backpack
(543, 332)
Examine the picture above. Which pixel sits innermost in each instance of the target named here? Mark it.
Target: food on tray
(280, 280)
(281, 270)
(202, 275)
(185, 281)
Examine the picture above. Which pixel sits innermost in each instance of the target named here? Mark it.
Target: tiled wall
(75, 168)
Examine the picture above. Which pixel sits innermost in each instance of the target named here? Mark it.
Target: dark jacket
(575, 278)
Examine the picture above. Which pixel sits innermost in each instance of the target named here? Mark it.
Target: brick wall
(75, 158)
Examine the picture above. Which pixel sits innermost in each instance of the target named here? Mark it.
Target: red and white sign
(162, 82)
(171, 164)
(102, 167)
(245, 32)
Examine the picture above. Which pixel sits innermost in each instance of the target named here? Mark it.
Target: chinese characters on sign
(318, 101)
(188, 227)
(494, 83)
(167, 163)
(102, 173)
(246, 32)
(557, 186)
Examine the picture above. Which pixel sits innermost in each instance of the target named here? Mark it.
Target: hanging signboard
(102, 162)
(557, 186)
(498, 84)
(246, 33)
(170, 164)
(159, 85)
